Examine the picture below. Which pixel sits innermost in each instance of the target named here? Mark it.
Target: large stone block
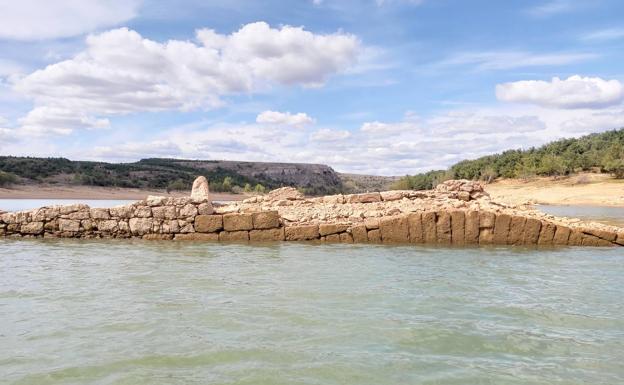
(501, 229)
(80, 214)
(486, 236)
(429, 227)
(237, 222)
(205, 209)
(208, 223)
(121, 211)
(69, 225)
(562, 235)
(576, 238)
(471, 232)
(591, 240)
(547, 233)
(33, 228)
(234, 236)
(391, 195)
(374, 236)
(100, 213)
(365, 198)
(458, 227)
(443, 227)
(188, 211)
(196, 237)
(164, 212)
(265, 220)
(107, 225)
(532, 229)
(371, 223)
(487, 220)
(346, 238)
(516, 230)
(140, 226)
(267, 235)
(332, 228)
(620, 238)
(332, 238)
(415, 225)
(601, 233)
(394, 229)
(302, 232)
(359, 234)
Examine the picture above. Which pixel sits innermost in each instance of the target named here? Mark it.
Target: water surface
(601, 214)
(28, 204)
(134, 312)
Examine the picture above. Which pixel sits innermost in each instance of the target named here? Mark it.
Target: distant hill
(602, 152)
(173, 174)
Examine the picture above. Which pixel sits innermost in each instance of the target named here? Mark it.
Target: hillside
(171, 174)
(602, 152)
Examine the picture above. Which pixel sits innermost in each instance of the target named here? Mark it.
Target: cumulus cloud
(34, 19)
(57, 120)
(328, 135)
(284, 118)
(573, 92)
(121, 72)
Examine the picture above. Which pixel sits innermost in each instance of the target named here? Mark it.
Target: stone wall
(160, 218)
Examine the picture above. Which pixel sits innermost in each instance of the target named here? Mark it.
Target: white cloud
(121, 72)
(573, 92)
(604, 34)
(285, 118)
(35, 19)
(155, 149)
(502, 60)
(57, 120)
(328, 135)
(550, 8)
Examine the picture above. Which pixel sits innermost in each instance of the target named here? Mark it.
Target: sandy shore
(88, 192)
(582, 189)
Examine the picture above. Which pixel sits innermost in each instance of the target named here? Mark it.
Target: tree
(616, 167)
(227, 184)
(247, 188)
(6, 178)
(259, 189)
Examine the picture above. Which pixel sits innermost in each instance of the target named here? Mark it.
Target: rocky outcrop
(455, 213)
(200, 189)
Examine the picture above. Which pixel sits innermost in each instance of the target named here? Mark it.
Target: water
(28, 204)
(135, 312)
(602, 214)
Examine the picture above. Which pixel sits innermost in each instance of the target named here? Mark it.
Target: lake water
(28, 204)
(602, 214)
(136, 312)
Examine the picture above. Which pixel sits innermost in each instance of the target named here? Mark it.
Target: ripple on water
(133, 312)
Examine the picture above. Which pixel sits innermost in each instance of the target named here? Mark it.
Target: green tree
(6, 178)
(227, 184)
(260, 189)
(247, 188)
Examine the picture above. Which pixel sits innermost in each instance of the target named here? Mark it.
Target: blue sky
(368, 86)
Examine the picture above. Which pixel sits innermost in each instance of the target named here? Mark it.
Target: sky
(385, 87)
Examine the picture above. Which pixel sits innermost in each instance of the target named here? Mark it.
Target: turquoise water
(135, 312)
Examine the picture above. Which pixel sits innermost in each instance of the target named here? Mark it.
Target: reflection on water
(602, 214)
(135, 312)
(27, 204)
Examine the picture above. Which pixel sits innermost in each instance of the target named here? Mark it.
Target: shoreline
(97, 193)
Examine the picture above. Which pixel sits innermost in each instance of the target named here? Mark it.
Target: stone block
(346, 238)
(301, 232)
(208, 223)
(100, 214)
(547, 233)
(365, 198)
(234, 236)
(122, 211)
(458, 227)
(487, 220)
(196, 237)
(80, 214)
(562, 234)
(575, 238)
(391, 195)
(516, 230)
(205, 209)
(371, 223)
(501, 229)
(143, 212)
(620, 238)
(471, 230)
(592, 240)
(33, 228)
(158, 237)
(429, 227)
(69, 225)
(107, 225)
(265, 220)
(140, 226)
(332, 238)
(68, 209)
(532, 229)
(443, 227)
(394, 229)
(164, 212)
(267, 235)
(237, 222)
(188, 211)
(602, 234)
(415, 225)
(359, 234)
(332, 228)
(374, 236)
(486, 236)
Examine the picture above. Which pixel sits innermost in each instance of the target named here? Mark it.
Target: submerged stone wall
(159, 218)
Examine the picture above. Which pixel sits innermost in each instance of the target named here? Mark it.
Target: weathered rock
(143, 212)
(371, 224)
(69, 225)
(80, 214)
(443, 227)
(200, 191)
(234, 236)
(205, 209)
(265, 220)
(332, 228)
(547, 233)
(389, 196)
(516, 230)
(301, 232)
(394, 229)
(164, 212)
(121, 211)
(365, 198)
(188, 211)
(532, 229)
(68, 209)
(458, 227)
(33, 228)
(107, 225)
(99, 214)
(501, 229)
(415, 227)
(359, 234)
(600, 233)
(562, 234)
(238, 222)
(267, 235)
(374, 236)
(140, 226)
(346, 238)
(153, 200)
(158, 237)
(284, 193)
(487, 220)
(196, 237)
(208, 223)
(471, 230)
(429, 227)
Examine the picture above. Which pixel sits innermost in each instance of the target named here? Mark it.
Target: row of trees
(226, 185)
(603, 152)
